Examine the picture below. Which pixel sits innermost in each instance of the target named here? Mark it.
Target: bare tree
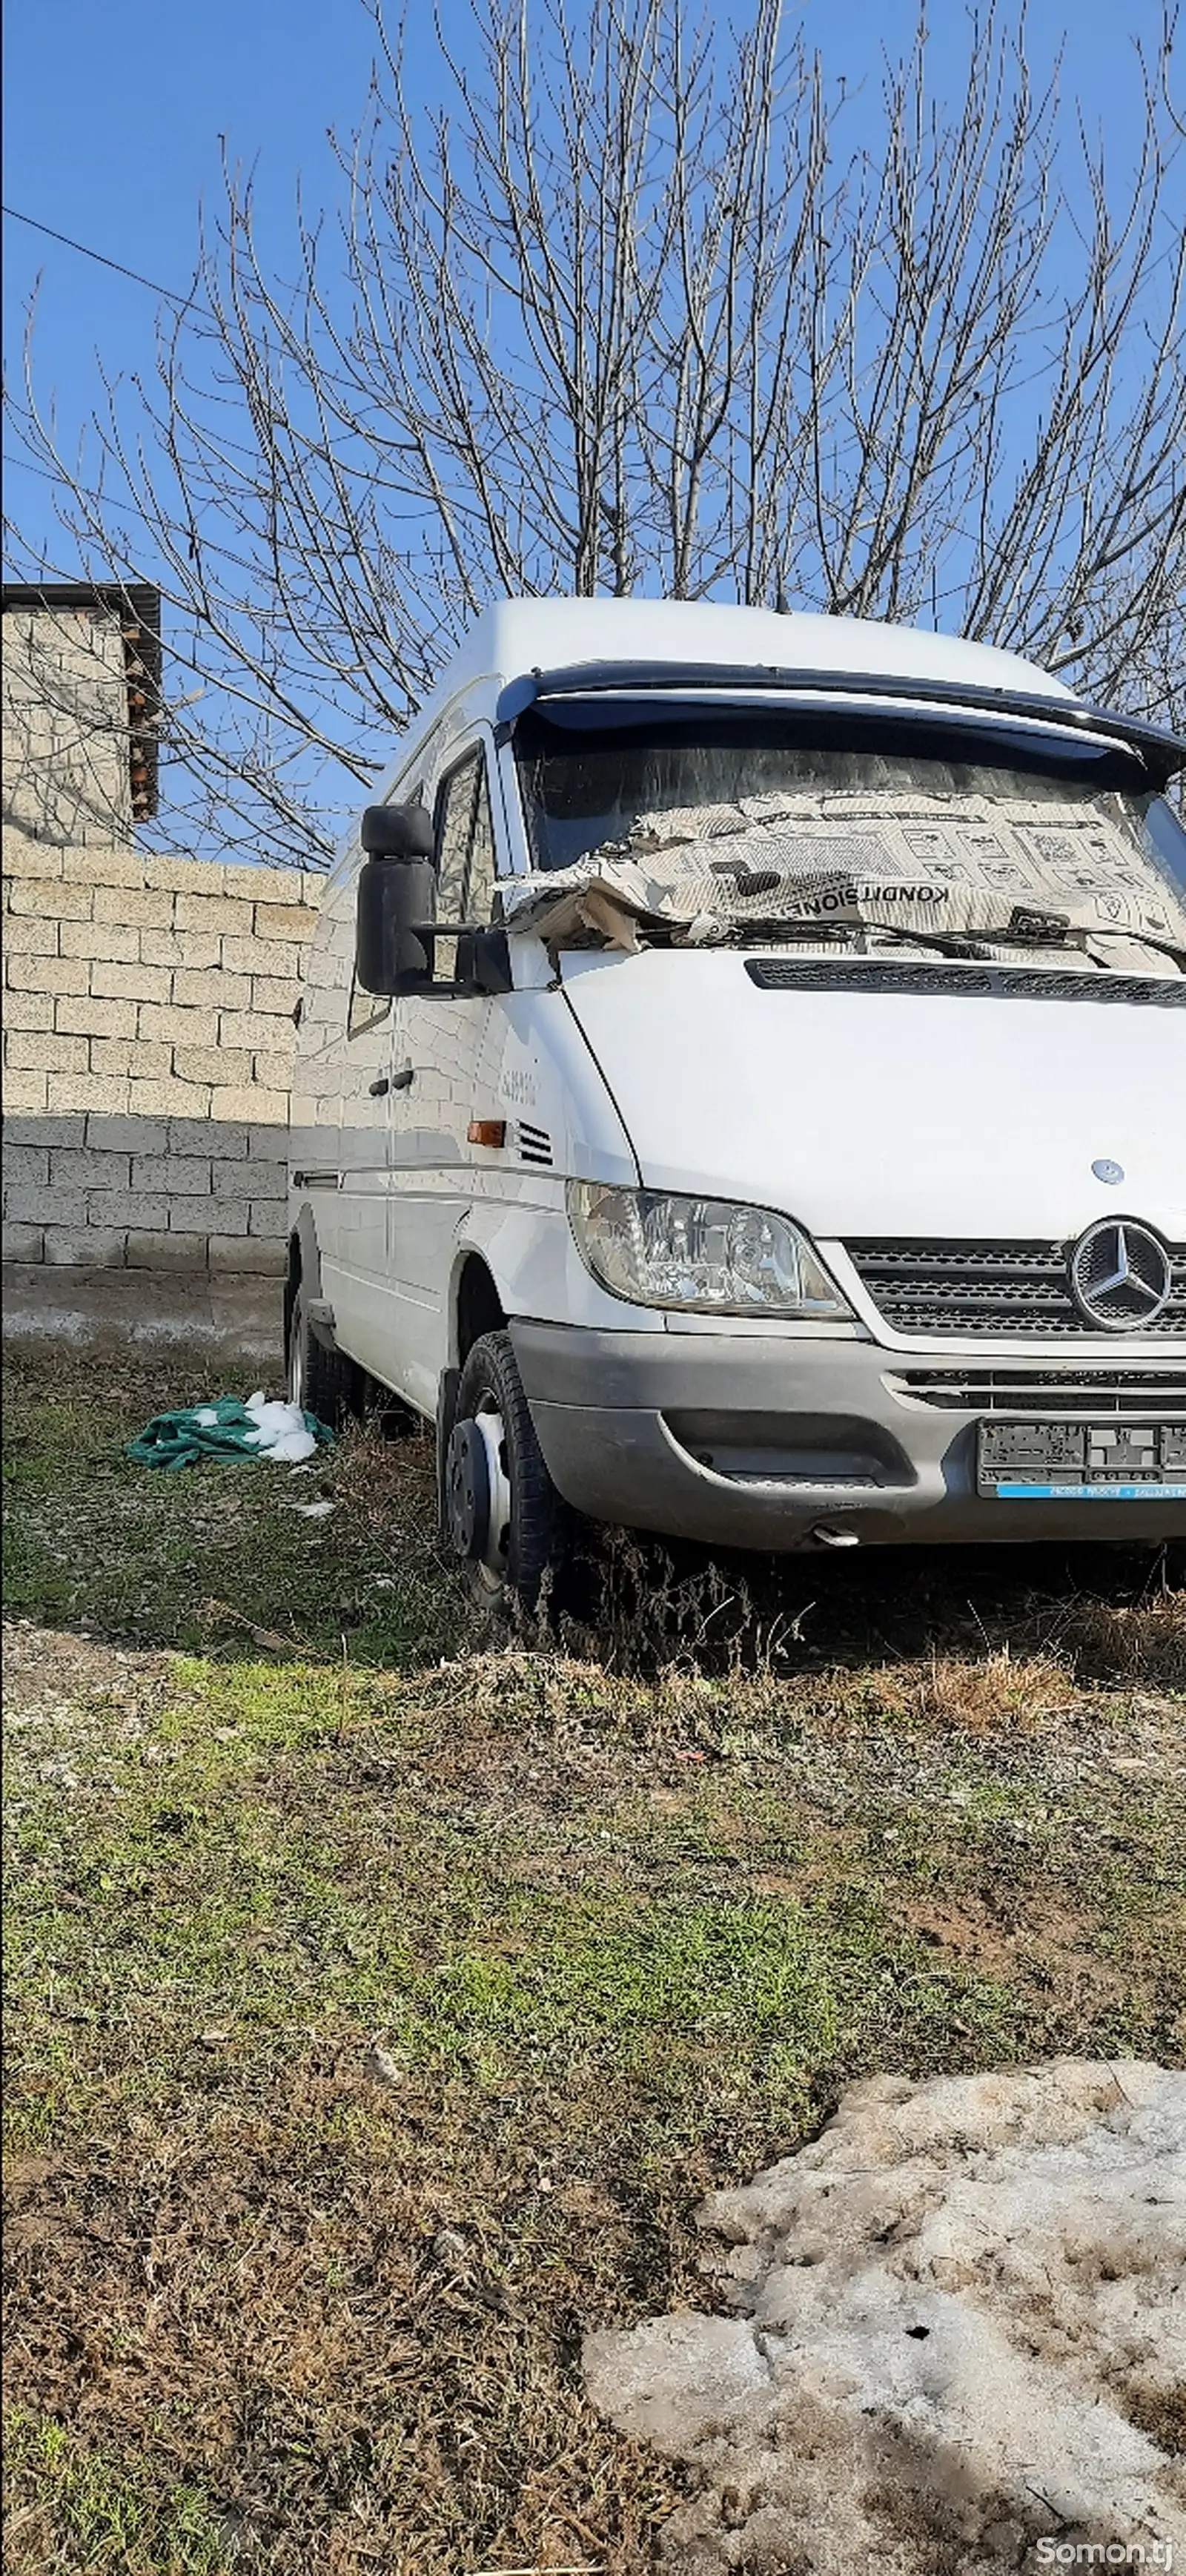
(638, 309)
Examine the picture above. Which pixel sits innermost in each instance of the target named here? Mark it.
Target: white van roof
(516, 637)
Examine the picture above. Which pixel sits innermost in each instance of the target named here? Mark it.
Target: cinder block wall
(148, 1046)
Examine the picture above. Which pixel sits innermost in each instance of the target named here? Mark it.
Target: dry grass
(999, 1693)
(1142, 1643)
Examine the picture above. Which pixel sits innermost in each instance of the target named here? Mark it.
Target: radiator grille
(1146, 1391)
(1005, 1289)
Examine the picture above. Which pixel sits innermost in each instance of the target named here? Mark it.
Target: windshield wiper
(950, 943)
(1053, 932)
(1142, 939)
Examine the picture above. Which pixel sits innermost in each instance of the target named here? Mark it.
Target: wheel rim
(296, 1354)
(491, 1566)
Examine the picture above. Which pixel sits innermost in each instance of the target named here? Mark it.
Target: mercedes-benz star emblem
(1121, 1277)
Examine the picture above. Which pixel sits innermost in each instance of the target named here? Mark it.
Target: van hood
(896, 1112)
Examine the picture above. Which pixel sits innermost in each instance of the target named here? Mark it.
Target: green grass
(95, 2515)
(617, 1935)
(157, 1556)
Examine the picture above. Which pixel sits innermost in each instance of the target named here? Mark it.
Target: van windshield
(772, 815)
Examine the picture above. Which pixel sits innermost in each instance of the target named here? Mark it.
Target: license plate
(1082, 1462)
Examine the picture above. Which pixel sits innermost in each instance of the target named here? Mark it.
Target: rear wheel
(321, 1381)
(501, 1511)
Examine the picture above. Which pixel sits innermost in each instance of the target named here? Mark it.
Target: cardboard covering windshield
(867, 861)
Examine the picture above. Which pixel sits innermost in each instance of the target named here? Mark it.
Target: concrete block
(126, 1135)
(213, 1064)
(168, 1099)
(159, 1250)
(277, 998)
(262, 885)
(108, 941)
(31, 1051)
(206, 1215)
(30, 934)
(267, 1145)
(200, 1136)
(95, 1018)
(296, 921)
(124, 1056)
(43, 1131)
(247, 1253)
(268, 1217)
(138, 983)
(128, 1207)
(173, 948)
(272, 1072)
(139, 909)
(103, 1091)
(83, 1167)
(264, 1180)
(36, 1011)
(31, 1205)
(174, 1175)
(24, 1243)
(46, 974)
(25, 1092)
(106, 867)
(185, 876)
(52, 897)
(179, 1027)
(211, 992)
(252, 955)
(89, 1247)
(26, 1163)
(208, 914)
(263, 1108)
(24, 858)
(254, 1030)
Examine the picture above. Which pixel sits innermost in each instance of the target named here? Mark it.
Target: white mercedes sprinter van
(741, 1093)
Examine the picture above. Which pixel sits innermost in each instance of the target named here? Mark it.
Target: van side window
(465, 852)
(465, 842)
(365, 1009)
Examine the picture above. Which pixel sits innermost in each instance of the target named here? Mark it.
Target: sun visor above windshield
(591, 697)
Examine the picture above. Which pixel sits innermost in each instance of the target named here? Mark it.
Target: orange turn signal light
(487, 1131)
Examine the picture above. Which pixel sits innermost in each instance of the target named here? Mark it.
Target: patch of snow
(959, 2323)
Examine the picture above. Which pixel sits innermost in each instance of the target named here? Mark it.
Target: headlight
(705, 1255)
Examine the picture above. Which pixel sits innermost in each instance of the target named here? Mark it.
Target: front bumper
(760, 1442)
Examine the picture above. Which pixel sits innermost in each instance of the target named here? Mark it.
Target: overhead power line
(184, 303)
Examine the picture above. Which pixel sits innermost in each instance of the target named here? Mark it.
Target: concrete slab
(114, 1312)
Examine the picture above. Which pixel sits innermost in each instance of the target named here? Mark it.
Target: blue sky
(113, 116)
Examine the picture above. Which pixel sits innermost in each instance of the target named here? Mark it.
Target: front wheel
(502, 1513)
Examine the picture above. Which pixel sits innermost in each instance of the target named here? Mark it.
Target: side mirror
(397, 832)
(396, 906)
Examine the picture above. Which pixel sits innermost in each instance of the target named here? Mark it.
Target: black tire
(540, 1529)
(324, 1381)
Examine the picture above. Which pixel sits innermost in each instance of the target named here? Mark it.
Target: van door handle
(403, 1080)
(377, 1089)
